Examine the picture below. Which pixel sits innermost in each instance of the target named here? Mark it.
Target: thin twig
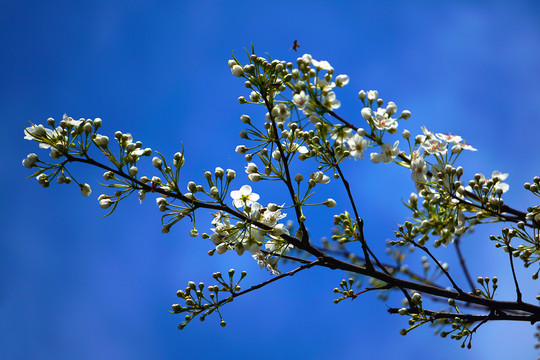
(264, 283)
(457, 243)
(510, 252)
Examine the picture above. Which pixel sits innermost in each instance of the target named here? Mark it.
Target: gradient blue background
(73, 285)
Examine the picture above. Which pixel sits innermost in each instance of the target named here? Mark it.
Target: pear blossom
(466, 146)
(419, 170)
(293, 148)
(320, 177)
(271, 218)
(342, 80)
(306, 59)
(251, 240)
(35, 132)
(435, 146)
(281, 113)
(382, 121)
(141, 196)
(372, 95)
(357, 144)
(70, 122)
(322, 65)
(449, 138)
(244, 196)
(388, 153)
(300, 100)
(330, 101)
(251, 168)
(341, 134)
(278, 244)
(428, 135)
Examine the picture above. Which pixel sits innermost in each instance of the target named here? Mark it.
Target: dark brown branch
(330, 262)
(471, 318)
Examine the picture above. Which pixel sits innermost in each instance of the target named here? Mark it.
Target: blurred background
(74, 285)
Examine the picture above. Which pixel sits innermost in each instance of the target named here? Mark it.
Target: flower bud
(391, 108)
(192, 187)
(30, 160)
(362, 95)
(245, 119)
(157, 162)
(86, 190)
(219, 172)
(330, 203)
(366, 113)
(133, 171)
(105, 202)
(231, 174)
(254, 177)
(406, 134)
(405, 114)
(237, 70)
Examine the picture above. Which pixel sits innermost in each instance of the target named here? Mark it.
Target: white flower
(324, 84)
(300, 100)
(306, 58)
(387, 155)
(320, 177)
(449, 138)
(497, 175)
(419, 170)
(69, 121)
(281, 113)
(357, 144)
(465, 146)
(252, 240)
(372, 95)
(322, 65)
(244, 196)
(435, 146)
(251, 168)
(382, 121)
(341, 134)
(141, 195)
(35, 132)
(271, 218)
(330, 101)
(342, 80)
(278, 244)
(294, 147)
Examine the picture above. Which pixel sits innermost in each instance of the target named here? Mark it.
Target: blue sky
(77, 286)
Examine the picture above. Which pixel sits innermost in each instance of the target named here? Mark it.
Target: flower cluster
(247, 236)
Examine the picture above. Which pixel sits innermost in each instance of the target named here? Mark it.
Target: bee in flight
(295, 45)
